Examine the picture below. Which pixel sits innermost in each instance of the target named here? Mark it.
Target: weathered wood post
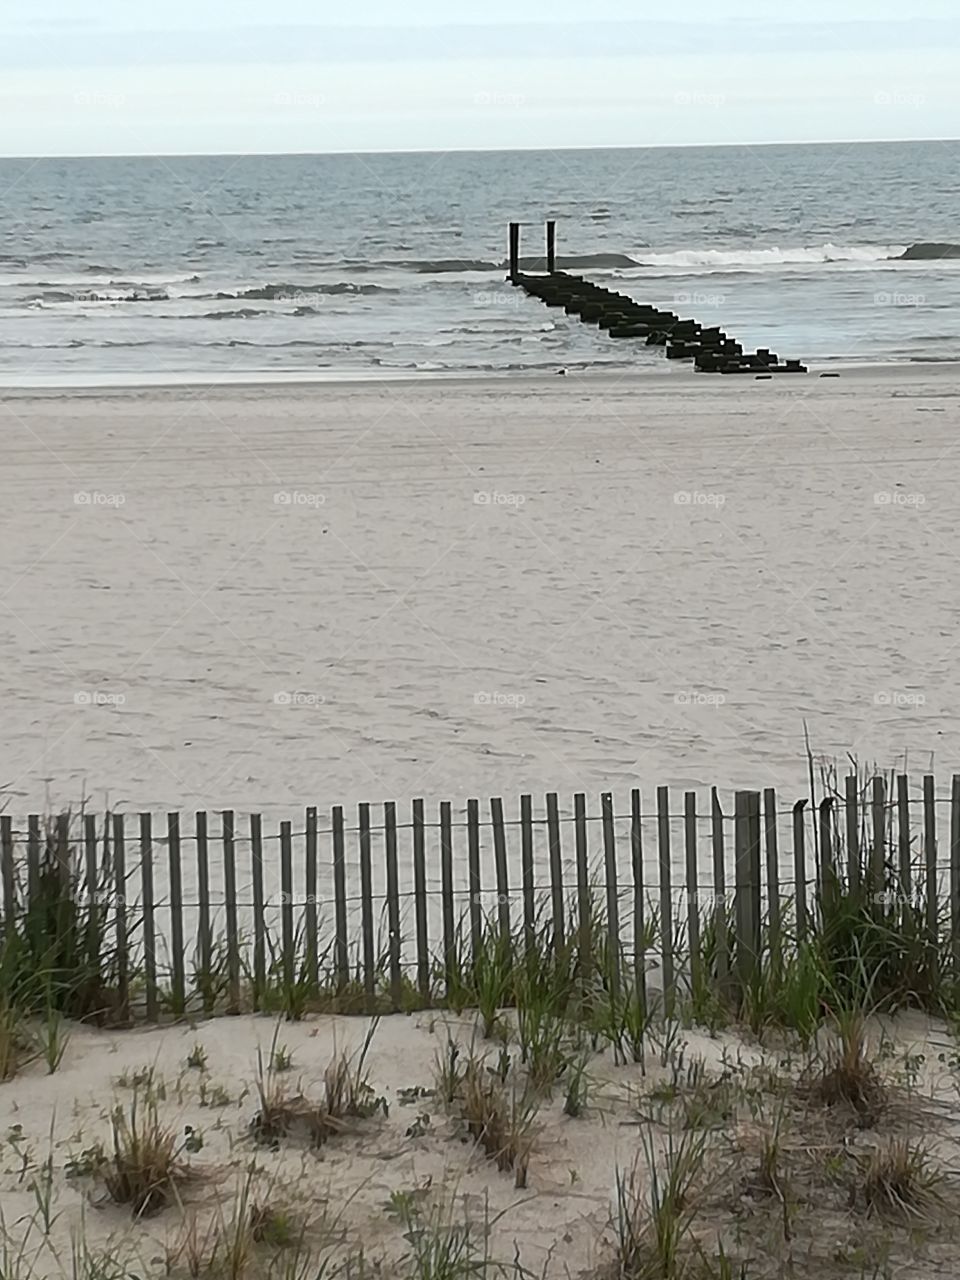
(747, 909)
(514, 251)
(551, 247)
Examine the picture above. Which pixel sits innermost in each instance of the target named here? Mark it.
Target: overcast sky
(81, 77)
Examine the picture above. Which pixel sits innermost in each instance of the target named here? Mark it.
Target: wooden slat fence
(211, 912)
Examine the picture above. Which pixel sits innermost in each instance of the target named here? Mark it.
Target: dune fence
(702, 897)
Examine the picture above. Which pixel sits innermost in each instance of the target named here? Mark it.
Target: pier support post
(514, 251)
(551, 247)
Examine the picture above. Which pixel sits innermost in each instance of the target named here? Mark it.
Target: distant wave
(772, 256)
(283, 292)
(54, 295)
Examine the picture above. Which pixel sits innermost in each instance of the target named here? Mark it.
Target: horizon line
(400, 151)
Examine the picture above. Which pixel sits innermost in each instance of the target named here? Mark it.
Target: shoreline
(120, 384)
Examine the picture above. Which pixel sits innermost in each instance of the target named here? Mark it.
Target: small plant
(847, 1075)
(654, 1208)
(281, 1059)
(899, 1179)
(53, 1039)
(214, 1095)
(145, 1079)
(12, 1041)
(577, 1085)
(277, 1228)
(197, 1058)
(86, 1163)
(449, 1072)
(444, 1246)
(145, 1167)
(492, 977)
(42, 1188)
(500, 1122)
(348, 1094)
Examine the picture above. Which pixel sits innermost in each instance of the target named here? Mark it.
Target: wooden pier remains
(623, 318)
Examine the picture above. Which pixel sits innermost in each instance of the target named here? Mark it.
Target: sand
(559, 1225)
(267, 597)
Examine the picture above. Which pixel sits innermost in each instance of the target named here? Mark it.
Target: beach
(267, 596)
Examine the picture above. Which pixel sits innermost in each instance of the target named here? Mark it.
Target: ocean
(154, 269)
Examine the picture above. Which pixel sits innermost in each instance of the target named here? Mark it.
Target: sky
(121, 77)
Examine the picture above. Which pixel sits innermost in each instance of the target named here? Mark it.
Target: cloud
(237, 45)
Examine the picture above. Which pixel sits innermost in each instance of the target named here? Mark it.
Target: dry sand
(265, 597)
(560, 1222)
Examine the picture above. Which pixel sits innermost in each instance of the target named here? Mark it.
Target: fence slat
(526, 871)
(228, 834)
(584, 941)
(393, 903)
(879, 849)
(33, 856)
(204, 959)
(613, 903)
(473, 874)
(639, 912)
(851, 810)
(772, 848)
(287, 945)
(179, 986)
(800, 866)
(9, 880)
(720, 891)
(341, 943)
(903, 813)
(91, 888)
(259, 921)
(149, 923)
(446, 891)
(828, 871)
(310, 920)
(666, 896)
(556, 867)
(120, 918)
(693, 889)
(420, 902)
(930, 856)
(500, 861)
(955, 874)
(366, 901)
(747, 839)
